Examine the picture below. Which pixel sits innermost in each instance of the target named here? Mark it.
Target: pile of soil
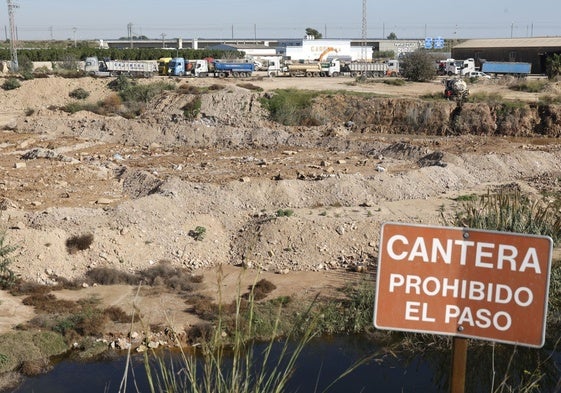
(302, 205)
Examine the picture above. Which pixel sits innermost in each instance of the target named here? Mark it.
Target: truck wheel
(309, 74)
(335, 74)
(222, 74)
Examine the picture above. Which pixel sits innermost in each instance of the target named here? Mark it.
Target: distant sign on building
(470, 283)
(434, 43)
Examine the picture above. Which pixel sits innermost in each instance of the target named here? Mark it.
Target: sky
(249, 19)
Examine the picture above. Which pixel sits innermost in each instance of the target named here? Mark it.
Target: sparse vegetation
(291, 107)
(394, 82)
(198, 233)
(79, 94)
(11, 84)
(250, 86)
(530, 86)
(192, 108)
(511, 212)
(284, 213)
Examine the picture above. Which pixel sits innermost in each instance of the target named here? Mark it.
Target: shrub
(111, 103)
(250, 86)
(116, 314)
(11, 84)
(121, 83)
(198, 233)
(284, 213)
(109, 276)
(394, 82)
(418, 66)
(192, 108)
(79, 243)
(79, 94)
(291, 107)
(144, 93)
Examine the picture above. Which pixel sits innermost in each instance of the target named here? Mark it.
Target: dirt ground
(142, 186)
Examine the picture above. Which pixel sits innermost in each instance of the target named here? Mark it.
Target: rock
(20, 165)
(104, 201)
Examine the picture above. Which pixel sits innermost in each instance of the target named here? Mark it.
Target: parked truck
(236, 69)
(366, 69)
(179, 66)
(106, 67)
(332, 68)
(163, 63)
(506, 68)
(456, 67)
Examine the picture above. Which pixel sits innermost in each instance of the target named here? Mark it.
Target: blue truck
(506, 68)
(179, 66)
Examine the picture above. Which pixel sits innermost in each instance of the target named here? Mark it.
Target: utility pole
(13, 46)
(163, 40)
(129, 30)
(364, 32)
(74, 33)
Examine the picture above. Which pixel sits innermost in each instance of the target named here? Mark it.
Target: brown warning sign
(471, 283)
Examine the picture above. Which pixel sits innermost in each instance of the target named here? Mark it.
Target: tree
(418, 66)
(392, 36)
(314, 33)
(553, 66)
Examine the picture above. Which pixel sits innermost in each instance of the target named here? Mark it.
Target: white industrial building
(311, 49)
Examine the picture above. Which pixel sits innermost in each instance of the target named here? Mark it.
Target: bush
(79, 94)
(11, 84)
(418, 66)
(120, 83)
(144, 93)
(198, 233)
(291, 107)
(284, 212)
(192, 108)
(79, 243)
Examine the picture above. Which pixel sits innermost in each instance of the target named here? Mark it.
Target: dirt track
(140, 186)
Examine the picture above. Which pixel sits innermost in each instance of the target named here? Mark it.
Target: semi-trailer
(179, 66)
(106, 67)
(333, 68)
(518, 69)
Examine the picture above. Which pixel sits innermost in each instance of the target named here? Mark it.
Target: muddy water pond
(323, 360)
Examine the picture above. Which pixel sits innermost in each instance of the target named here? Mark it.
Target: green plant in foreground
(233, 346)
(228, 361)
(511, 212)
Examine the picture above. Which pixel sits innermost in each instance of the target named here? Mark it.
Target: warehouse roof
(533, 42)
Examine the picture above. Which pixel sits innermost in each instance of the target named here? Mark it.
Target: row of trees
(80, 53)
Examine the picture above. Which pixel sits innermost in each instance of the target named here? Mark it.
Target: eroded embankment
(408, 116)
